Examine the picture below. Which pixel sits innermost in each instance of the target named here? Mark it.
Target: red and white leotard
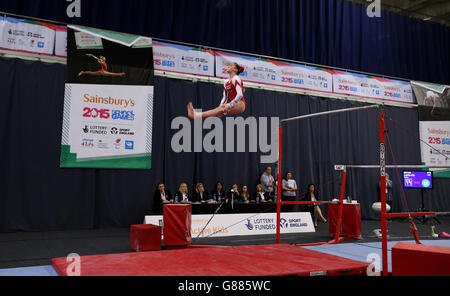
(103, 66)
(233, 90)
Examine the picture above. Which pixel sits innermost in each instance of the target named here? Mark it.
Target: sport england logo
(284, 223)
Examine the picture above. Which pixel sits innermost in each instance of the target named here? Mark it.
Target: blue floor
(369, 252)
(365, 252)
(46, 270)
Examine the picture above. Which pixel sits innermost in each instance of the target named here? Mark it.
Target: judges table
(351, 219)
(236, 208)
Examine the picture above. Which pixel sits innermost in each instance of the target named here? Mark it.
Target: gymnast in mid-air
(103, 68)
(233, 101)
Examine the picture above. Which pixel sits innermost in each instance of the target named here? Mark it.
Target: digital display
(418, 179)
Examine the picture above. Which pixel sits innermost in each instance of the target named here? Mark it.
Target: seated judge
(201, 195)
(313, 195)
(218, 194)
(244, 197)
(233, 194)
(261, 196)
(160, 197)
(183, 195)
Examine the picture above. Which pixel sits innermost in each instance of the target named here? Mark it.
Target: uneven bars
(328, 112)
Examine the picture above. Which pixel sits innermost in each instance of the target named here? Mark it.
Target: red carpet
(257, 260)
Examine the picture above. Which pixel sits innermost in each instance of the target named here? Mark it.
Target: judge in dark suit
(313, 195)
(218, 194)
(183, 195)
(233, 194)
(160, 197)
(261, 196)
(244, 196)
(201, 195)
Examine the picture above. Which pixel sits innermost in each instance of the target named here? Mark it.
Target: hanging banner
(434, 125)
(361, 85)
(304, 77)
(108, 107)
(61, 41)
(395, 90)
(276, 73)
(183, 59)
(256, 69)
(27, 36)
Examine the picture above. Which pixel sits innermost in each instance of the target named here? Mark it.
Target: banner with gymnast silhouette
(434, 125)
(108, 103)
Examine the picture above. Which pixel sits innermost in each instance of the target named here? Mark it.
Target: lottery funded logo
(95, 129)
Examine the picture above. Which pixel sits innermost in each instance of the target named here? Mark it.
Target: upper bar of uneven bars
(328, 112)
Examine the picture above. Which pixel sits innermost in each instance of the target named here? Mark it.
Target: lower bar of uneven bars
(306, 202)
(406, 166)
(416, 214)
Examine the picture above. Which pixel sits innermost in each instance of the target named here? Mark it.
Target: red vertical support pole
(384, 250)
(279, 184)
(341, 205)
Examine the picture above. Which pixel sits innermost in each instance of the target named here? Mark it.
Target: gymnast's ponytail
(239, 68)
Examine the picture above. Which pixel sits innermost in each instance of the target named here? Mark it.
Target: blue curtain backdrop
(37, 195)
(327, 32)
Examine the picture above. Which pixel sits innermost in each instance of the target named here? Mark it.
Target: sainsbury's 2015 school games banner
(304, 77)
(276, 73)
(361, 85)
(183, 59)
(27, 36)
(108, 103)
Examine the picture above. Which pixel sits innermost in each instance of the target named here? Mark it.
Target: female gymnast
(233, 91)
(103, 70)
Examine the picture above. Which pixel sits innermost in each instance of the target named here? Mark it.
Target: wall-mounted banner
(183, 59)
(395, 90)
(304, 77)
(27, 36)
(61, 41)
(256, 69)
(108, 107)
(244, 224)
(361, 85)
